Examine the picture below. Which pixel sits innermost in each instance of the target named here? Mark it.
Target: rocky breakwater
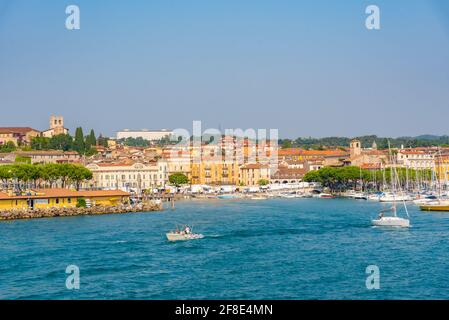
(68, 212)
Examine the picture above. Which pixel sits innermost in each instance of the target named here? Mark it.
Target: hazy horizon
(305, 68)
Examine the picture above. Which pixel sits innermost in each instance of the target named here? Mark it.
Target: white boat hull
(392, 222)
(172, 236)
(394, 199)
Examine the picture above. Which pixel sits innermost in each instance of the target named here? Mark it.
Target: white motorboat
(392, 222)
(183, 235)
(174, 236)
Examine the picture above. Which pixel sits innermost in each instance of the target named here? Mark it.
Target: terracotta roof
(21, 130)
(48, 152)
(60, 193)
(370, 166)
(254, 166)
(124, 164)
(316, 153)
(289, 173)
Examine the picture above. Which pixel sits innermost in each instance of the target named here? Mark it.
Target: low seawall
(69, 212)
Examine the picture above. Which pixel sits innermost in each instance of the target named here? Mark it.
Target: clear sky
(308, 68)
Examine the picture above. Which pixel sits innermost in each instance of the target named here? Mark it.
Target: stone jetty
(69, 212)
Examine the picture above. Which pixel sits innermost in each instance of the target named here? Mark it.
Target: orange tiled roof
(21, 130)
(302, 152)
(62, 193)
(254, 166)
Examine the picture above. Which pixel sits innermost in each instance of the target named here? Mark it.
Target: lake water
(265, 249)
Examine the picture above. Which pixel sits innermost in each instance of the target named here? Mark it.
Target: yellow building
(442, 168)
(251, 174)
(178, 162)
(213, 171)
(60, 198)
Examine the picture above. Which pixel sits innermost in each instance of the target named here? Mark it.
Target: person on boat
(187, 230)
(381, 215)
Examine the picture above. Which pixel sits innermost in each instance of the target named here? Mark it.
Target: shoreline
(25, 214)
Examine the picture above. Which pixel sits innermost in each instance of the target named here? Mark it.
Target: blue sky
(308, 68)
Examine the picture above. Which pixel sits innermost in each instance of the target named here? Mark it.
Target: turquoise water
(266, 249)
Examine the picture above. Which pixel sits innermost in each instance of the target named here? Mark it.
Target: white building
(150, 135)
(416, 158)
(129, 177)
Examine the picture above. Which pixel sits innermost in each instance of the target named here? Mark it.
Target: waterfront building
(178, 162)
(18, 135)
(150, 135)
(129, 176)
(60, 198)
(417, 158)
(252, 173)
(285, 175)
(56, 127)
(215, 171)
(442, 168)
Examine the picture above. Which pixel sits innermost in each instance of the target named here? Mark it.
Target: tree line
(366, 141)
(65, 142)
(52, 175)
(351, 177)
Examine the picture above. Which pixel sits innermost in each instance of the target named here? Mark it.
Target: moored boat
(435, 206)
(391, 197)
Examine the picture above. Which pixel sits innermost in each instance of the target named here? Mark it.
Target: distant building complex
(150, 135)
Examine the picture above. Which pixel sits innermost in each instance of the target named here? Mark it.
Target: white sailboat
(391, 221)
(391, 197)
(394, 220)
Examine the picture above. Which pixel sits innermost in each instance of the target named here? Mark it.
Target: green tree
(62, 142)
(5, 174)
(79, 143)
(81, 203)
(79, 174)
(263, 182)
(91, 140)
(40, 143)
(23, 159)
(286, 143)
(102, 141)
(178, 179)
(8, 147)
